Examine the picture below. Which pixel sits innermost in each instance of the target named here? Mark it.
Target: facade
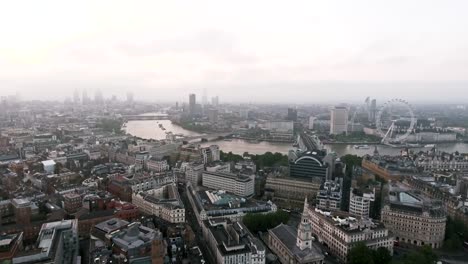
(292, 114)
(295, 247)
(290, 192)
(72, 202)
(213, 116)
(58, 243)
(308, 165)
(163, 202)
(219, 167)
(193, 173)
(218, 205)
(339, 120)
(23, 211)
(157, 165)
(10, 246)
(210, 154)
(192, 104)
(131, 242)
(240, 185)
(231, 242)
(340, 232)
(360, 202)
(413, 218)
(147, 182)
(329, 195)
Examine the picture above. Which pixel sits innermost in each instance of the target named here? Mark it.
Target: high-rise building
(213, 116)
(373, 110)
(76, 97)
(311, 122)
(215, 101)
(339, 120)
(192, 104)
(204, 98)
(129, 97)
(98, 97)
(292, 114)
(84, 97)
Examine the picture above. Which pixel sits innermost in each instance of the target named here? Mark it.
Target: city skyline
(319, 51)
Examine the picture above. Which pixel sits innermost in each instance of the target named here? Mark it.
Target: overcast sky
(256, 50)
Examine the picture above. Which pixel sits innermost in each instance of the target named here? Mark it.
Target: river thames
(151, 130)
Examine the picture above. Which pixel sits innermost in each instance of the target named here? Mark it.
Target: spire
(304, 232)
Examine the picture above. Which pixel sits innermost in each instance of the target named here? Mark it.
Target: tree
(382, 256)
(263, 222)
(360, 254)
(58, 168)
(424, 255)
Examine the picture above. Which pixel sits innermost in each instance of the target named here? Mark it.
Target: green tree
(58, 168)
(382, 256)
(360, 254)
(424, 255)
(263, 222)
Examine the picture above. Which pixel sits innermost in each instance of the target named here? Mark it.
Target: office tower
(204, 98)
(76, 97)
(192, 103)
(213, 116)
(84, 97)
(292, 114)
(129, 97)
(339, 120)
(98, 97)
(215, 101)
(373, 110)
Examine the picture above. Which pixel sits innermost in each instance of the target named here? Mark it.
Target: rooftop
(287, 235)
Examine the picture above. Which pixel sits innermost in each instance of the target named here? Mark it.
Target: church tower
(304, 232)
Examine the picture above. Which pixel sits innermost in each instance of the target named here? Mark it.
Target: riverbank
(265, 139)
(351, 143)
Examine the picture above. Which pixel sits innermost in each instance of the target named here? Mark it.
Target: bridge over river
(145, 117)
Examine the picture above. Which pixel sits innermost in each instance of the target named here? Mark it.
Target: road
(191, 219)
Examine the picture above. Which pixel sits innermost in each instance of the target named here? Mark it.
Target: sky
(247, 51)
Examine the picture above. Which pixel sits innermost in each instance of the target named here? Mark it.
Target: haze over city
(246, 132)
(273, 51)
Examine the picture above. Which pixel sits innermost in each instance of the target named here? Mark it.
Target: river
(151, 130)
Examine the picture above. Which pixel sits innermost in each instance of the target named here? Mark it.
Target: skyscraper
(215, 101)
(339, 120)
(84, 97)
(129, 97)
(204, 98)
(98, 97)
(76, 97)
(292, 114)
(192, 104)
(373, 110)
